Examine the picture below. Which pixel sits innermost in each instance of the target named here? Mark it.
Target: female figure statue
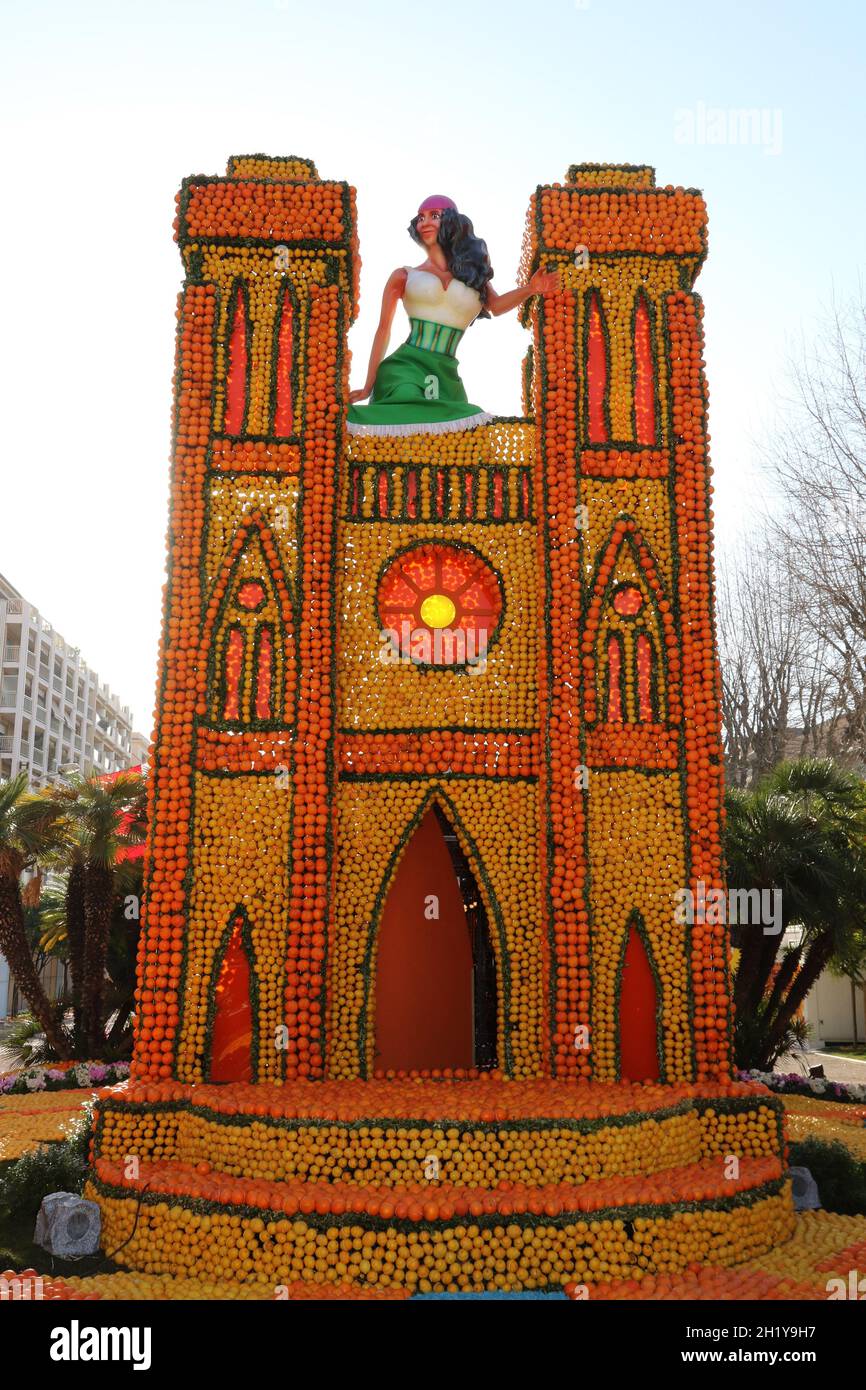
(417, 389)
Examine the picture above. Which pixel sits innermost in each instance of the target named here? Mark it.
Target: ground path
(836, 1067)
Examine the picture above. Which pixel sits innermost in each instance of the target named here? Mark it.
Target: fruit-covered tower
(240, 851)
(630, 777)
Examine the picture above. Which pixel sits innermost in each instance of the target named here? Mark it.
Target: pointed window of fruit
(631, 670)
(252, 644)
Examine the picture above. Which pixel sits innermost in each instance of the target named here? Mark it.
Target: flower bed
(62, 1076)
(792, 1083)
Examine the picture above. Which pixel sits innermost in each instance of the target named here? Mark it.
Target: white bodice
(425, 298)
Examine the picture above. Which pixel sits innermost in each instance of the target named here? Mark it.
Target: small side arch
(638, 1007)
(231, 1039)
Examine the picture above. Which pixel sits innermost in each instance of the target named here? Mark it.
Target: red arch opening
(638, 1012)
(232, 1036)
(435, 996)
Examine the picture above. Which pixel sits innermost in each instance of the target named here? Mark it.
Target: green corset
(435, 337)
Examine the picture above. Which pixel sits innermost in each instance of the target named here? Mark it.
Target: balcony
(12, 654)
(6, 741)
(14, 606)
(8, 696)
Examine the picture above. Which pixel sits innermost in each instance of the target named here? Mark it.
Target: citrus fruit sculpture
(437, 751)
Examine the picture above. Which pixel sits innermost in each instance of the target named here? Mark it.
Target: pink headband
(437, 200)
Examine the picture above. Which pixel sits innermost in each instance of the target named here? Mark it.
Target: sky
(105, 107)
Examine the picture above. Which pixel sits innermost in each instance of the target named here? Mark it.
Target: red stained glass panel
(462, 585)
(596, 373)
(251, 595)
(644, 678)
(236, 379)
(644, 394)
(234, 658)
(628, 601)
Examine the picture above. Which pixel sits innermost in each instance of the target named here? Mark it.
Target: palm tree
(63, 918)
(28, 829)
(801, 830)
(103, 817)
(56, 912)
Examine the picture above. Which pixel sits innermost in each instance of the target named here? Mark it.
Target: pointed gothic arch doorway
(436, 995)
(639, 1024)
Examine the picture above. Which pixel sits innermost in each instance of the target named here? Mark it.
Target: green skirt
(416, 392)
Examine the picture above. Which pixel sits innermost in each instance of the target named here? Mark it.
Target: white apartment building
(834, 1008)
(54, 711)
(140, 751)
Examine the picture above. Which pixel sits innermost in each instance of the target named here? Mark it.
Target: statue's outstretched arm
(542, 282)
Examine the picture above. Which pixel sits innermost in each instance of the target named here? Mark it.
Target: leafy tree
(802, 830)
(28, 830)
(81, 833)
(102, 820)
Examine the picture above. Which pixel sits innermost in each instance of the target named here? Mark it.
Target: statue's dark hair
(465, 254)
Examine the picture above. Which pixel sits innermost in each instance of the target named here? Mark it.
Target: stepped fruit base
(438, 1185)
